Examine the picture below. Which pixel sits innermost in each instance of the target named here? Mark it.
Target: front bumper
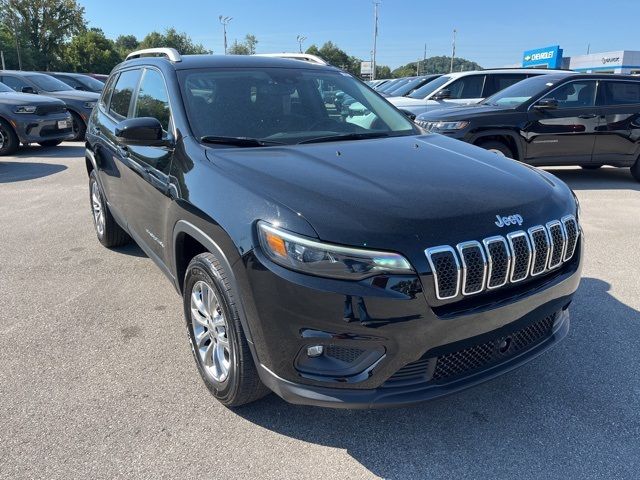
(375, 329)
(38, 128)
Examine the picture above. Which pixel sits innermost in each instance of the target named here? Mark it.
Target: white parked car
(462, 88)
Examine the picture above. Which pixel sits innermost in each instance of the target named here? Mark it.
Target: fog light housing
(315, 351)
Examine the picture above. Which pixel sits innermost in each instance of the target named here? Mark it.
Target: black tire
(79, 127)
(591, 167)
(112, 234)
(241, 385)
(497, 147)
(9, 142)
(50, 143)
(635, 170)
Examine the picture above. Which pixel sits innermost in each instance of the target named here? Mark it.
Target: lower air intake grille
(344, 354)
(465, 361)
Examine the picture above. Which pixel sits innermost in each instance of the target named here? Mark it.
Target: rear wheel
(499, 148)
(109, 233)
(50, 143)
(591, 167)
(635, 170)
(79, 127)
(217, 339)
(8, 139)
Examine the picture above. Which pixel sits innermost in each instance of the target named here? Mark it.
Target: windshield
(48, 84)
(5, 89)
(428, 88)
(90, 82)
(285, 106)
(521, 92)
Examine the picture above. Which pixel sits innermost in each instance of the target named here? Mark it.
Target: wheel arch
(13, 128)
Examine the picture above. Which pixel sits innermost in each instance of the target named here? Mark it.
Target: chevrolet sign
(550, 57)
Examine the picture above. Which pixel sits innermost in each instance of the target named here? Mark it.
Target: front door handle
(587, 116)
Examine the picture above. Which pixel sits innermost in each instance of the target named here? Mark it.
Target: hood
(405, 101)
(400, 193)
(461, 112)
(16, 99)
(79, 95)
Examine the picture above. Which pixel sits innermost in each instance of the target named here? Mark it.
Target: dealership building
(620, 61)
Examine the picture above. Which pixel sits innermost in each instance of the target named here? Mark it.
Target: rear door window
(467, 87)
(123, 93)
(621, 93)
(496, 82)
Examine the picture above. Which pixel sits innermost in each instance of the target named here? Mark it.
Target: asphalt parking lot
(97, 379)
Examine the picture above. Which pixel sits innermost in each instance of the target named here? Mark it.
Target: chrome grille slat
(476, 266)
(540, 249)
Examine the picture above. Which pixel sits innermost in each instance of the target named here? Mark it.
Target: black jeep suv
(555, 119)
(332, 264)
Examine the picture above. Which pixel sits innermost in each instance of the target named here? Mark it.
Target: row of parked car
(540, 117)
(45, 108)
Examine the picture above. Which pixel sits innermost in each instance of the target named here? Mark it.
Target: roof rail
(306, 57)
(171, 53)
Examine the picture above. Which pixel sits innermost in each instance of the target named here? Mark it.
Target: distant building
(620, 61)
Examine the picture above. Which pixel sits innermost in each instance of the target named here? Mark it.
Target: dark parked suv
(332, 264)
(556, 119)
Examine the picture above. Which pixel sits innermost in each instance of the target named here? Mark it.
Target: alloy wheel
(97, 208)
(210, 332)
(3, 137)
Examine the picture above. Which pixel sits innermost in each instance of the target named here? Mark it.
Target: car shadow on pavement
(571, 413)
(602, 179)
(132, 249)
(22, 171)
(65, 150)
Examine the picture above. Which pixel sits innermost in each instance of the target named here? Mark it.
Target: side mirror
(28, 90)
(143, 132)
(546, 104)
(408, 114)
(442, 94)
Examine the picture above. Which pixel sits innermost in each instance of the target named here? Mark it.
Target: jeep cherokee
(332, 264)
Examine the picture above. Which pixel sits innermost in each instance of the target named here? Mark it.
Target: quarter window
(153, 100)
(123, 92)
(467, 87)
(108, 90)
(621, 93)
(497, 82)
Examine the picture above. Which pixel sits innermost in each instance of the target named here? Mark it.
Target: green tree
(126, 44)
(174, 39)
(382, 71)
(337, 57)
(91, 51)
(246, 47)
(441, 64)
(45, 26)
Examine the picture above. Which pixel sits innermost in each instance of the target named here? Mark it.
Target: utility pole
(453, 50)
(588, 48)
(375, 38)
(424, 60)
(300, 39)
(224, 21)
(2, 57)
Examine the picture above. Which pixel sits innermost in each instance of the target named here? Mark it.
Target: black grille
(474, 265)
(469, 360)
(344, 354)
(540, 244)
(48, 109)
(499, 258)
(557, 244)
(571, 229)
(521, 253)
(446, 270)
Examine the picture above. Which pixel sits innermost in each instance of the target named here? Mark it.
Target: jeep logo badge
(510, 220)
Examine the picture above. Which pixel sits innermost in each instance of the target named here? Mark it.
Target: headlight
(89, 105)
(325, 260)
(25, 109)
(442, 126)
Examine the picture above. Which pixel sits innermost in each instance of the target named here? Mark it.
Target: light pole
(453, 50)
(300, 39)
(375, 38)
(224, 21)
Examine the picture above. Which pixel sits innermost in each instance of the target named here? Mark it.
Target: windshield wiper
(239, 141)
(345, 136)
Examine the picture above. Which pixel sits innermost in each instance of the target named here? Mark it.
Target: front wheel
(217, 339)
(8, 139)
(79, 127)
(496, 147)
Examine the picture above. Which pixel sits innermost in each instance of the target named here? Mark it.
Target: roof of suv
(228, 61)
(503, 70)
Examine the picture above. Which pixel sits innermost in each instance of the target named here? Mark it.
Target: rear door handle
(587, 116)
